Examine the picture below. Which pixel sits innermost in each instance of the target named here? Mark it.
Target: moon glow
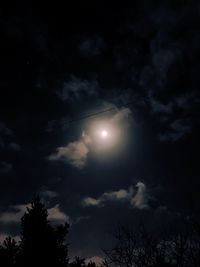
(104, 134)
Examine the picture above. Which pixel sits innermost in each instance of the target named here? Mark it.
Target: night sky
(70, 71)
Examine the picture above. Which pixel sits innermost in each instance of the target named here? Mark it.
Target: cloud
(3, 236)
(140, 200)
(177, 130)
(90, 201)
(17, 211)
(157, 107)
(48, 194)
(90, 47)
(56, 215)
(14, 147)
(5, 167)
(121, 115)
(15, 215)
(77, 89)
(163, 60)
(80, 219)
(75, 153)
(177, 115)
(137, 198)
(4, 130)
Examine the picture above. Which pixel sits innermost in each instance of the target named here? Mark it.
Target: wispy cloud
(48, 193)
(74, 153)
(77, 89)
(4, 130)
(14, 215)
(177, 130)
(6, 136)
(91, 46)
(137, 197)
(140, 199)
(14, 147)
(56, 215)
(5, 167)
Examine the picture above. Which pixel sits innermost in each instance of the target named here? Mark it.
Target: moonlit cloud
(136, 198)
(14, 215)
(121, 115)
(3, 236)
(16, 212)
(75, 153)
(140, 199)
(90, 201)
(56, 215)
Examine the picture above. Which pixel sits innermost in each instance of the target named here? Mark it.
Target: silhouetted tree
(136, 248)
(78, 262)
(42, 244)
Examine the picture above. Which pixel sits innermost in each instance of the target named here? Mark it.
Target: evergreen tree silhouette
(42, 244)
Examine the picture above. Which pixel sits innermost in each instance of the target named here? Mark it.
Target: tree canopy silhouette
(41, 243)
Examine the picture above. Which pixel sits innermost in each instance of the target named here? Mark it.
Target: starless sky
(60, 63)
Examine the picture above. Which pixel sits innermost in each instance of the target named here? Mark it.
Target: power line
(86, 116)
(97, 113)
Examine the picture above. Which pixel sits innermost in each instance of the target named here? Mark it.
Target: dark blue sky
(61, 63)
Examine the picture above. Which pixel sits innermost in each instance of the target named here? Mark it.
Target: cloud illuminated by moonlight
(76, 153)
(138, 198)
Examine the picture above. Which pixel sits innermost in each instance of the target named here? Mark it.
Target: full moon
(104, 133)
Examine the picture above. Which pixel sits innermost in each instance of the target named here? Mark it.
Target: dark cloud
(4, 130)
(5, 167)
(177, 130)
(76, 89)
(91, 46)
(48, 193)
(14, 147)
